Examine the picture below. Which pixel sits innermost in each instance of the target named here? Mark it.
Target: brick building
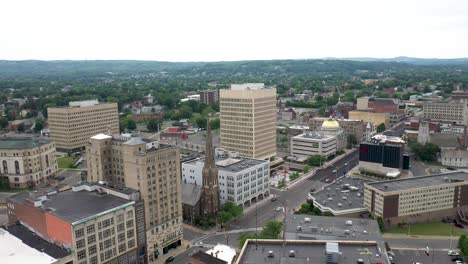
(103, 225)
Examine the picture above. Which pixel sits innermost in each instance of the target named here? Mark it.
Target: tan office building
(371, 117)
(418, 199)
(72, 126)
(450, 112)
(27, 161)
(150, 168)
(248, 120)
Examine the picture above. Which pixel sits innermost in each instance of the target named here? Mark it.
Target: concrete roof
(191, 193)
(134, 141)
(15, 251)
(207, 258)
(331, 228)
(22, 142)
(335, 192)
(308, 252)
(85, 203)
(101, 136)
(445, 139)
(454, 153)
(233, 164)
(419, 182)
(31, 239)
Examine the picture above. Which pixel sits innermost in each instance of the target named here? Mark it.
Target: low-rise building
(349, 126)
(95, 222)
(268, 251)
(21, 245)
(240, 180)
(418, 199)
(454, 157)
(313, 143)
(27, 161)
(209, 96)
(370, 117)
(343, 197)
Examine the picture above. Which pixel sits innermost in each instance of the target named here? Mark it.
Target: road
(417, 167)
(296, 195)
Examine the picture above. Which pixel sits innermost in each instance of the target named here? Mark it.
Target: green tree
(39, 125)
(131, 124)
(228, 212)
(316, 160)
(284, 139)
(306, 169)
(271, 230)
(427, 152)
(3, 122)
(381, 128)
(244, 236)
(215, 123)
(20, 128)
(200, 121)
(380, 221)
(153, 124)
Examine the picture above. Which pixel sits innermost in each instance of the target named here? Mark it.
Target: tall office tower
(154, 170)
(209, 205)
(248, 120)
(72, 126)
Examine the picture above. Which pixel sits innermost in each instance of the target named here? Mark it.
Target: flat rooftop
(22, 142)
(19, 245)
(331, 228)
(73, 206)
(420, 182)
(231, 164)
(333, 195)
(30, 239)
(313, 135)
(308, 252)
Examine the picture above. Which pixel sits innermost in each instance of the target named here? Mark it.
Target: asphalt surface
(417, 167)
(296, 195)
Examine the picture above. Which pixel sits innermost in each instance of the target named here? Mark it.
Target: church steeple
(210, 191)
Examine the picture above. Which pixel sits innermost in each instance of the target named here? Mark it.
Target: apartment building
(452, 112)
(418, 199)
(248, 120)
(72, 126)
(240, 180)
(95, 222)
(27, 161)
(154, 170)
(209, 96)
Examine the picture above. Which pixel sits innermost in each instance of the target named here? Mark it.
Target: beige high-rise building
(150, 168)
(72, 126)
(248, 120)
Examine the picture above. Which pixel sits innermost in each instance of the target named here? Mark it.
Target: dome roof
(330, 123)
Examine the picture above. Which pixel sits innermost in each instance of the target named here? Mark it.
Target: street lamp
(346, 167)
(335, 171)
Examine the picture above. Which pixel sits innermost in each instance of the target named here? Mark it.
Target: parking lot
(410, 256)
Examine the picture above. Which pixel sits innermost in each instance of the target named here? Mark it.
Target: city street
(294, 196)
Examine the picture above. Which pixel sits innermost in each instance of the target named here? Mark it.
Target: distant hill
(410, 60)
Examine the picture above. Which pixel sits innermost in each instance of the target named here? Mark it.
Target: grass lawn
(429, 229)
(66, 162)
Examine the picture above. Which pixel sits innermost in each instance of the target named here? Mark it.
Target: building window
(91, 239)
(81, 254)
(130, 223)
(130, 233)
(131, 243)
(90, 229)
(5, 167)
(47, 160)
(122, 248)
(80, 243)
(92, 250)
(79, 233)
(17, 167)
(120, 227)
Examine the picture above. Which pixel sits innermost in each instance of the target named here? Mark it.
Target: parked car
(453, 253)
(274, 198)
(312, 190)
(456, 258)
(279, 209)
(169, 259)
(458, 225)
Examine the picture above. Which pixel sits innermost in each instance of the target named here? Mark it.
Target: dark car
(458, 225)
(169, 259)
(312, 190)
(456, 258)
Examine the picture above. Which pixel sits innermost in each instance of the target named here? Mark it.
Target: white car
(279, 209)
(453, 253)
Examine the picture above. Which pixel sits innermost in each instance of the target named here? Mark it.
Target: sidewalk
(196, 229)
(405, 236)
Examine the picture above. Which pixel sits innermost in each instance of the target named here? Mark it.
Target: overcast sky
(199, 30)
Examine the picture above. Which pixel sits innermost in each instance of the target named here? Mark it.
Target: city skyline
(213, 31)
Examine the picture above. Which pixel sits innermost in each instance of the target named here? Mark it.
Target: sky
(221, 30)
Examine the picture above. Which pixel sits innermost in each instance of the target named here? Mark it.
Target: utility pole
(256, 224)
